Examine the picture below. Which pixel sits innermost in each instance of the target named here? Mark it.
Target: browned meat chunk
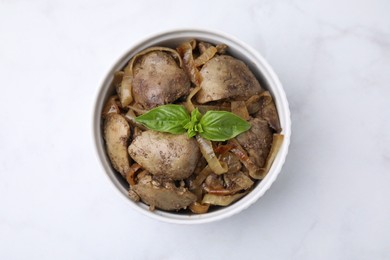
(257, 141)
(158, 80)
(225, 77)
(165, 155)
(232, 161)
(162, 194)
(268, 111)
(116, 135)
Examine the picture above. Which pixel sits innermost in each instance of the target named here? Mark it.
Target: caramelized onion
(208, 153)
(130, 117)
(277, 142)
(235, 182)
(252, 104)
(254, 171)
(111, 106)
(204, 108)
(205, 56)
(222, 200)
(199, 208)
(221, 48)
(223, 148)
(185, 51)
(138, 110)
(117, 82)
(203, 46)
(239, 108)
(201, 177)
(268, 111)
(220, 192)
(188, 104)
(130, 176)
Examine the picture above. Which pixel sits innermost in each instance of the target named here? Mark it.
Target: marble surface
(332, 199)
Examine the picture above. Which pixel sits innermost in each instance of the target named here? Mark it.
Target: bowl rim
(283, 111)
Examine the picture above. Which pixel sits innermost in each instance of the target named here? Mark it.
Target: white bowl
(258, 66)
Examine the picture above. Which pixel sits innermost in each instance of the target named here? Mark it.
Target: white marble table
(332, 199)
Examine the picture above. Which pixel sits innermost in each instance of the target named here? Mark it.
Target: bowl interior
(263, 73)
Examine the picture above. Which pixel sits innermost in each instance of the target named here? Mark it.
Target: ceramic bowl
(238, 49)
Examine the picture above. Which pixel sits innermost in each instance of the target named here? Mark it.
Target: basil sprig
(194, 125)
(168, 118)
(214, 125)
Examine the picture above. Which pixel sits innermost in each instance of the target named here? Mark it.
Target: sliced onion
(239, 108)
(220, 192)
(193, 44)
(199, 208)
(277, 142)
(130, 117)
(252, 104)
(111, 107)
(221, 48)
(199, 179)
(126, 87)
(203, 46)
(254, 171)
(188, 104)
(223, 148)
(233, 162)
(130, 175)
(237, 182)
(185, 51)
(138, 110)
(118, 77)
(214, 182)
(204, 108)
(268, 111)
(207, 151)
(195, 185)
(222, 200)
(205, 56)
(142, 174)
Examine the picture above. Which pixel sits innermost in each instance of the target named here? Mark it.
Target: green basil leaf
(195, 115)
(167, 118)
(193, 126)
(222, 125)
(198, 128)
(174, 119)
(191, 133)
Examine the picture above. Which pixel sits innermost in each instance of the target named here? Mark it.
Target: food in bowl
(190, 128)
